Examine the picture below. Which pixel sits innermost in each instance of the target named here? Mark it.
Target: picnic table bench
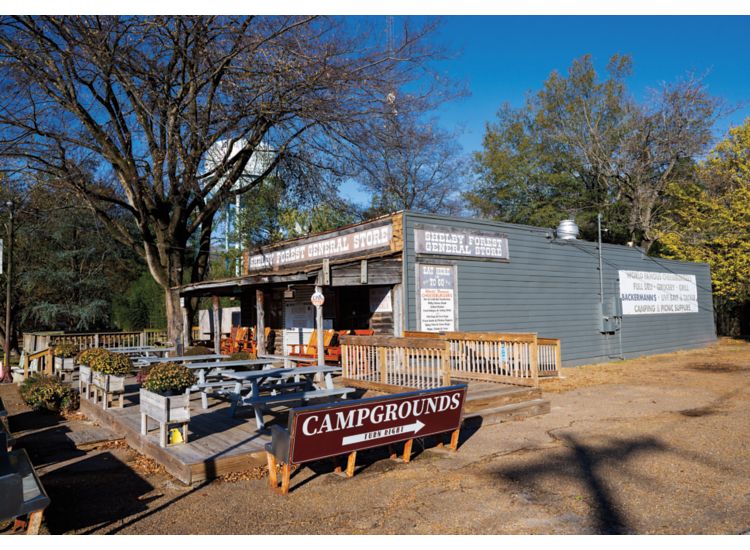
(145, 351)
(206, 369)
(268, 387)
(22, 491)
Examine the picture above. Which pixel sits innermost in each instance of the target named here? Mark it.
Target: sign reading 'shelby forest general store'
(449, 241)
(331, 430)
(367, 239)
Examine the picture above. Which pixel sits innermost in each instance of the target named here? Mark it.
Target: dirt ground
(655, 445)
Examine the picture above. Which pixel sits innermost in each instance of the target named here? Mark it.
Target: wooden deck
(219, 444)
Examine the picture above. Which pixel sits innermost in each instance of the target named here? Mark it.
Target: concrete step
(513, 411)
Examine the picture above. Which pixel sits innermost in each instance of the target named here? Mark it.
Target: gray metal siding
(552, 288)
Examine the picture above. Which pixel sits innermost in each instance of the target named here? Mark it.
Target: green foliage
(583, 145)
(66, 349)
(165, 377)
(43, 392)
(198, 350)
(141, 306)
(240, 355)
(115, 364)
(709, 221)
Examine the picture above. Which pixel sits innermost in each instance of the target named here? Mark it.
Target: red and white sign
(323, 431)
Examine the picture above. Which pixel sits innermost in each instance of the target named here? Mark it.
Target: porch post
(319, 326)
(186, 330)
(260, 330)
(217, 325)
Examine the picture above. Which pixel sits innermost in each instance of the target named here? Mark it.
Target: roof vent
(567, 230)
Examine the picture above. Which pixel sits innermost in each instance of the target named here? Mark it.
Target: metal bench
(22, 492)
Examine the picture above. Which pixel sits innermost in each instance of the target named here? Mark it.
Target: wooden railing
(550, 359)
(510, 358)
(84, 340)
(387, 363)
(41, 361)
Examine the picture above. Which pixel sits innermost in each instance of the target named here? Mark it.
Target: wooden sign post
(344, 428)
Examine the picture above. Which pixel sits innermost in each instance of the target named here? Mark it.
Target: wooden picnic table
(272, 382)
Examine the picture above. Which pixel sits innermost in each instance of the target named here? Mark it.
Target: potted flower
(64, 359)
(108, 373)
(84, 360)
(165, 397)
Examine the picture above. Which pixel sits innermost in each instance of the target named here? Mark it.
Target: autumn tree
(123, 111)
(583, 144)
(708, 220)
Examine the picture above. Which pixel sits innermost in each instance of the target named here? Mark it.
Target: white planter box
(64, 363)
(108, 382)
(84, 374)
(165, 408)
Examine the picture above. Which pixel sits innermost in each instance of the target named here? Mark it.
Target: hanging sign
(449, 241)
(317, 299)
(437, 294)
(652, 292)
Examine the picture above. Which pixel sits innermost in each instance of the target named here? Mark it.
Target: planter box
(166, 408)
(108, 383)
(84, 374)
(64, 368)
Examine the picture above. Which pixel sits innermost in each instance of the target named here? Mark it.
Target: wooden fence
(388, 363)
(510, 358)
(34, 342)
(549, 357)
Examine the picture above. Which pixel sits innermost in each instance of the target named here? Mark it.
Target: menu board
(437, 293)
(653, 292)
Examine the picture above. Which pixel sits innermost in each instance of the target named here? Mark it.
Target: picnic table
(267, 387)
(146, 361)
(144, 351)
(205, 369)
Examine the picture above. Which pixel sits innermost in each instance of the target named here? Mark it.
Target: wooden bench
(22, 492)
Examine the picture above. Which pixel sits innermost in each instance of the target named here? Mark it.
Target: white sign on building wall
(652, 292)
(437, 310)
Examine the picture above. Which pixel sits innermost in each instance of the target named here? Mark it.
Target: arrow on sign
(386, 432)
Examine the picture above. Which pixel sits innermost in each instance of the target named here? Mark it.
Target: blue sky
(501, 58)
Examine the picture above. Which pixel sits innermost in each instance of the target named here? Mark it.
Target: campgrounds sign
(343, 428)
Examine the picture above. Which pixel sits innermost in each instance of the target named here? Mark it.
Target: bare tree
(410, 165)
(123, 110)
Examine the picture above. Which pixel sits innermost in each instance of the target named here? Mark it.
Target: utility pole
(8, 291)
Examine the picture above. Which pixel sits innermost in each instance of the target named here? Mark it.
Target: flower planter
(84, 381)
(109, 386)
(64, 368)
(165, 409)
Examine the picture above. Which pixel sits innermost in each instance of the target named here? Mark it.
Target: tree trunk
(174, 315)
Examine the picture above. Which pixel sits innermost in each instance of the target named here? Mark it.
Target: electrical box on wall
(611, 316)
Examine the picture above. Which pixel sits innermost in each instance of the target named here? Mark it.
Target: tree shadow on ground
(92, 492)
(583, 462)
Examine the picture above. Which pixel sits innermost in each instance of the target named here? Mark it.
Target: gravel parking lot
(654, 445)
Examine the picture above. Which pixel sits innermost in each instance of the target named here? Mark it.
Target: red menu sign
(329, 430)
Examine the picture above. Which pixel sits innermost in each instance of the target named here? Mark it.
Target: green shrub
(198, 350)
(43, 392)
(164, 377)
(66, 350)
(115, 364)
